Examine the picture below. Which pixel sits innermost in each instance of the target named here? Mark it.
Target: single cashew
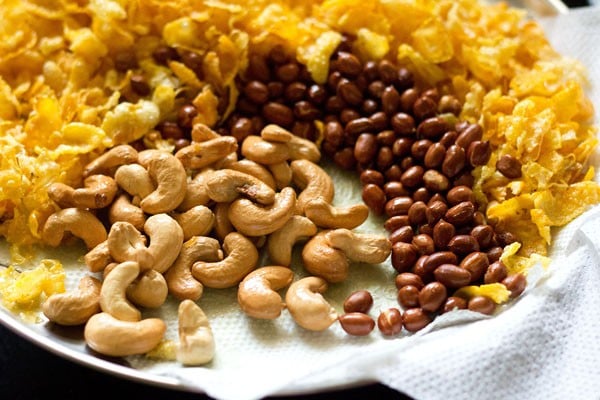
(299, 148)
(255, 169)
(225, 161)
(81, 223)
(321, 259)
(196, 341)
(360, 247)
(313, 181)
(122, 210)
(148, 290)
(282, 173)
(196, 194)
(241, 258)
(170, 178)
(180, 281)
(126, 243)
(98, 192)
(226, 185)
(202, 132)
(135, 180)
(197, 221)
(113, 299)
(201, 154)
(76, 307)
(257, 293)
(223, 226)
(275, 133)
(112, 337)
(110, 160)
(98, 258)
(166, 239)
(264, 152)
(255, 220)
(281, 242)
(327, 216)
(307, 305)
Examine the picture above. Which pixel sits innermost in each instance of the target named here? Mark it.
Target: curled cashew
(299, 148)
(76, 307)
(170, 178)
(307, 305)
(281, 242)
(255, 220)
(135, 180)
(197, 221)
(282, 173)
(110, 160)
(113, 299)
(180, 281)
(112, 337)
(264, 152)
(98, 258)
(81, 223)
(98, 192)
(360, 247)
(166, 239)
(148, 290)
(275, 133)
(201, 154)
(202, 132)
(126, 243)
(226, 185)
(313, 181)
(321, 259)
(123, 210)
(257, 293)
(241, 258)
(196, 194)
(222, 225)
(327, 216)
(196, 341)
(255, 169)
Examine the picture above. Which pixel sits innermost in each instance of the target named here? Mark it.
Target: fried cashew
(299, 148)
(255, 220)
(198, 155)
(196, 341)
(75, 307)
(196, 194)
(361, 247)
(197, 221)
(112, 337)
(321, 259)
(98, 191)
(222, 226)
(126, 243)
(241, 258)
(264, 152)
(113, 294)
(313, 182)
(255, 169)
(180, 281)
(123, 210)
(226, 185)
(257, 293)
(281, 242)
(98, 258)
(135, 180)
(307, 306)
(327, 216)
(282, 173)
(80, 223)
(148, 290)
(109, 161)
(171, 181)
(166, 239)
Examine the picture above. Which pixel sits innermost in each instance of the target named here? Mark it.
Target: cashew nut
(321, 259)
(170, 178)
(196, 194)
(255, 169)
(76, 307)
(126, 243)
(241, 258)
(281, 242)
(223, 226)
(98, 192)
(202, 132)
(98, 258)
(307, 305)
(299, 148)
(113, 299)
(81, 223)
(135, 180)
(112, 337)
(257, 293)
(255, 220)
(201, 154)
(226, 185)
(123, 210)
(197, 221)
(325, 215)
(180, 281)
(275, 133)
(148, 290)
(166, 239)
(360, 247)
(313, 181)
(196, 341)
(282, 173)
(264, 152)
(110, 160)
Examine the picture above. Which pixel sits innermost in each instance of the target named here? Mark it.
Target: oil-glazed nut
(481, 304)
(359, 301)
(357, 323)
(454, 303)
(452, 276)
(389, 322)
(408, 296)
(415, 319)
(432, 296)
(257, 292)
(516, 283)
(408, 278)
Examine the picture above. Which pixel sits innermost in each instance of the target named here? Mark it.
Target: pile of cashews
(199, 217)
